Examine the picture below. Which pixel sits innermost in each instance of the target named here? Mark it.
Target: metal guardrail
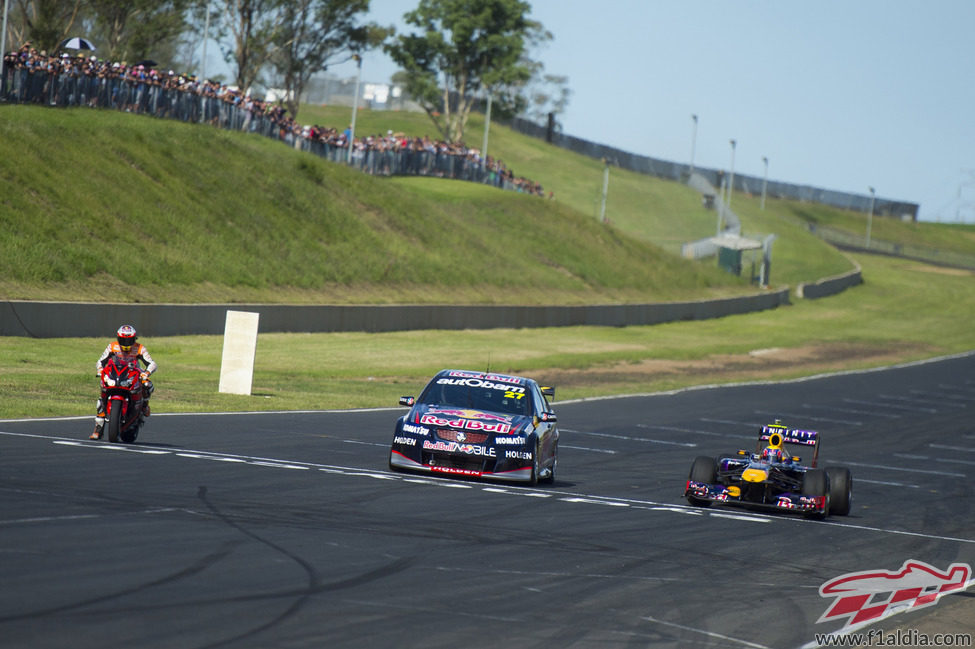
(76, 319)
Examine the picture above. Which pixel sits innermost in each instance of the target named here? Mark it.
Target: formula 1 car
(479, 424)
(771, 479)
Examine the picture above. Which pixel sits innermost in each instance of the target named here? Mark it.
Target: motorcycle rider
(125, 347)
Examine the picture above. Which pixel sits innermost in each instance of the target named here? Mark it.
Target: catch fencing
(742, 183)
(188, 100)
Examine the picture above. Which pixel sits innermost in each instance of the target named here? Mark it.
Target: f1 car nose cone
(754, 475)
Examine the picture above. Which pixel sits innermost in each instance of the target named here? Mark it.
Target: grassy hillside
(663, 212)
(109, 206)
(212, 215)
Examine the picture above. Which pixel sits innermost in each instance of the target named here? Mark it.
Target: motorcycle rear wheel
(114, 421)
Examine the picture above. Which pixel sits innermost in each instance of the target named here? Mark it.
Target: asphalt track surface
(288, 529)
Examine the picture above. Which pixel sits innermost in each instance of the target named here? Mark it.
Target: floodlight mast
(870, 216)
(764, 181)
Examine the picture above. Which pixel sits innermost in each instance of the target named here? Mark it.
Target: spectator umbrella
(77, 43)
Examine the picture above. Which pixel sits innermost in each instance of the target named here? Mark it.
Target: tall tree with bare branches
(312, 34)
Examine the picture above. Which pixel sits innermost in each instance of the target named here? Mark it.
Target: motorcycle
(124, 399)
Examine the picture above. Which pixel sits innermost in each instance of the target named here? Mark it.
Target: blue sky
(837, 94)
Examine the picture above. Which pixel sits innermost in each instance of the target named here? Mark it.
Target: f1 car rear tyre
(815, 483)
(840, 490)
(704, 469)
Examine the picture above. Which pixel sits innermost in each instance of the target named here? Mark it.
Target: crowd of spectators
(35, 77)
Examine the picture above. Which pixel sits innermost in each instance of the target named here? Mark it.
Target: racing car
(479, 424)
(770, 478)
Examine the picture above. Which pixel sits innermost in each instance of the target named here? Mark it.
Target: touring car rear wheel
(536, 464)
(550, 476)
(840, 490)
(815, 483)
(704, 469)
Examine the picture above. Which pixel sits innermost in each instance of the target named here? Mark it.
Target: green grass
(869, 325)
(105, 206)
(116, 207)
(665, 213)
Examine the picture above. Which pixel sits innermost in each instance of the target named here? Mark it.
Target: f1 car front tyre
(840, 490)
(815, 483)
(704, 469)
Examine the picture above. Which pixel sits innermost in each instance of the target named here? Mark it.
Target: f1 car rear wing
(794, 436)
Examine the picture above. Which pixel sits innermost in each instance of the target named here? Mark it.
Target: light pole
(3, 37)
(487, 126)
(355, 102)
(602, 204)
(731, 176)
(693, 145)
(870, 216)
(764, 181)
(206, 37)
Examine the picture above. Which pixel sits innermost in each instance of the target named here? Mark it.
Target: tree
(46, 22)
(315, 33)
(547, 94)
(464, 47)
(139, 29)
(252, 24)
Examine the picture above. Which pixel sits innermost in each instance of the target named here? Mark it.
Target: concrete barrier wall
(829, 285)
(74, 319)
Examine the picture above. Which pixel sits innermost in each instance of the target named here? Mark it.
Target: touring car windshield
(477, 394)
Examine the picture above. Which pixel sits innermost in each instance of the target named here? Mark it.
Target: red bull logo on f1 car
(466, 424)
(872, 595)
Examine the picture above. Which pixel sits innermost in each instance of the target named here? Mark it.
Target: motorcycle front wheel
(114, 420)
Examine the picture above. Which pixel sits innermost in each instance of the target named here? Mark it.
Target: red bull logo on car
(454, 447)
(468, 414)
(487, 377)
(466, 424)
(872, 595)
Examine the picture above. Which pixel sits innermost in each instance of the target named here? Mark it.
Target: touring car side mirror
(548, 417)
(407, 401)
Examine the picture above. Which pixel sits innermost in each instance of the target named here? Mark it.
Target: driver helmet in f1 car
(773, 452)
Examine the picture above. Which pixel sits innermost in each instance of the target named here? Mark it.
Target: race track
(286, 530)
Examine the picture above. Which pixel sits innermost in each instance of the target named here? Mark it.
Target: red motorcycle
(124, 399)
